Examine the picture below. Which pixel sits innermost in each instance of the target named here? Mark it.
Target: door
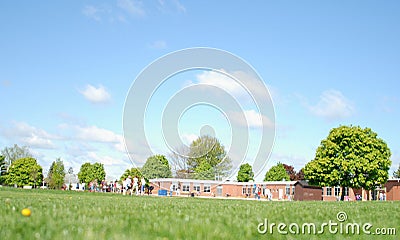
(280, 194)
(219, 191)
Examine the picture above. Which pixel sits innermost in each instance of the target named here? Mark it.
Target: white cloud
(222, 81)
(188, 138)
(179, 6)
(252, 119)
(240, 85)
(96, 134)
(77, 149)
(38, 142)
(96, 95)
(92, 134)
(171, 6)
(92, 12)
(120, 146)
(133, 7)
(333, 105)
(106, 160)
(30, 136)
(103, 12)
(295, 160)
(159, 44)
(245, 89)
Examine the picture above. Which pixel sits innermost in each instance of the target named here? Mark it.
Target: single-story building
(278, 190)
(393, 189)
(305, 192)
(274, 190)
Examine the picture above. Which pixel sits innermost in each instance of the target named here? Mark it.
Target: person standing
(124, 187)
(171, 190)
(136, 185)
(143, 184)
(128, 185)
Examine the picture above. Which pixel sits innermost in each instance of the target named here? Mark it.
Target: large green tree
(90, 172)
(350, 157)
(205, 171)
(277, 173)
(156, 166)
(245, 173)
(23, 172)
(56, 174)
(207, 158)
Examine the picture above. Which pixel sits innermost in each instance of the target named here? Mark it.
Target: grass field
(83, 215)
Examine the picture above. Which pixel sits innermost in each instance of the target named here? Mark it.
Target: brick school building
(276, 190)
(273, 190)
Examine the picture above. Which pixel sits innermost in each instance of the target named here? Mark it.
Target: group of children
(129, 185)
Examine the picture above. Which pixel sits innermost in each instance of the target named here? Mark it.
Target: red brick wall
(392, 190)
(307, 193)
(231, 189)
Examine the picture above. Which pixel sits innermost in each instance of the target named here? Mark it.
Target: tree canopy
(245, 173)
(131, 172)
(290, 171)
(14, 153)
(300, 175)
(24, 172)
(90, 172)
(56, 174)
(277, 173)
(156, 166)
(350, 157)
(179, 163)
(207, 158)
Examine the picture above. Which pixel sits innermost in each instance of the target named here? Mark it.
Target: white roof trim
(181, 180)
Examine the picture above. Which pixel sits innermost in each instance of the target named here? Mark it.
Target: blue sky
(66, 68)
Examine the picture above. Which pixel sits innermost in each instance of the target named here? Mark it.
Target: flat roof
(182, 180)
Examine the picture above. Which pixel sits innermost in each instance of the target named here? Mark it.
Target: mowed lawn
(84, 215)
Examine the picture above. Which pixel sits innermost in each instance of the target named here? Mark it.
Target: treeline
(350, 156)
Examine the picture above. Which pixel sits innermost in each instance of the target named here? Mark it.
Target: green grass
(83, 215)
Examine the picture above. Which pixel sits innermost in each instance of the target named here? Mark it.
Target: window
(196, 188)
(207, 188)
(337, 191)
(328, 191)
(174, 186)
(249, 191)
(346, 191)
(292, 190)
(287, 190)
(186, 187)
(244, 190)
